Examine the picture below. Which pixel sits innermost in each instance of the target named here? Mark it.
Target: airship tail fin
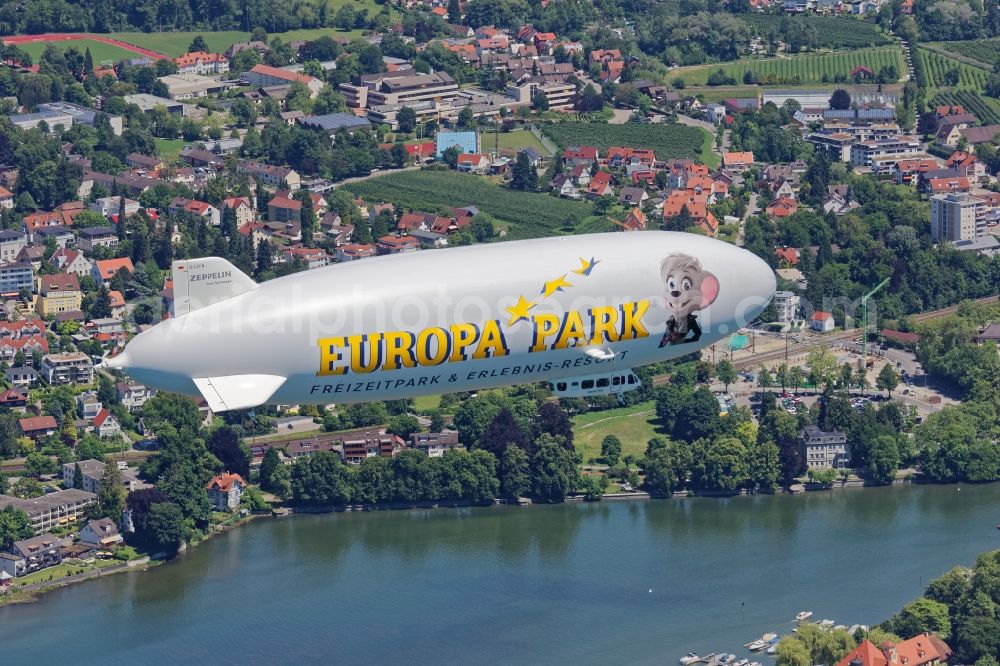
(201, 282)
(237, 391)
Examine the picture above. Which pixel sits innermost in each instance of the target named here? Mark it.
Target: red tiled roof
(277, 72)
(225, 481)
(59, 282)
(34, 423)
(108, 268)
(819, 315)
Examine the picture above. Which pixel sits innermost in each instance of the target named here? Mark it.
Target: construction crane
(864, 321)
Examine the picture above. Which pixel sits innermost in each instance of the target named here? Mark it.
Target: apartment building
(62, 507)
(867, 153)
(16, 277)
(57, 293)
(787, 304)
(67, 367)
(11, 244)
(956, 217)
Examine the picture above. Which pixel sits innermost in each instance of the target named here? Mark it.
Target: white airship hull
(449, 320)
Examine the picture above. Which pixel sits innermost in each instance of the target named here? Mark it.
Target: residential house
(92, 238)
(117, 302)
(822, 322)
(977, 135)
(632, 196)
(355, 251)
(580, 156)
(787, 304)
(106, 425)
(101, 533)
(67, 368)
(565, 187)
(105, 269)
(197, 208)
(225, 491)
(396, 244)
(59, 292)
(947, 185)
(151, 165)
(782, 207)
(824, 450)
(788, 257)
(635, 221)
(56, 233)
(312, 257)
(88, 405)
(435, 444)
(27, 556)
(921, 650)
(600, 185)
(6, 198)
(132, 396)
(14, 398)
(371, 445)
(11, 244)
(242, 207)
(269, 175)
(53, 509)
(908, 171)
(37, 427)
(967, 164)
(112, 206)
(473, 163)
(21, 376)
(697, 208)
(737, 161)
(263, 76)
(71, 261)
(200, 62)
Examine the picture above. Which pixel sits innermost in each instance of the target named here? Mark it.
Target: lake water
(641, 582)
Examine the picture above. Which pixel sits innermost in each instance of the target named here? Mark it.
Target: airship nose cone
(119, 362)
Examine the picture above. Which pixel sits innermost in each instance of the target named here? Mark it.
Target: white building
(92, 471)
(787, 304)
(954, 217)
(824, 450)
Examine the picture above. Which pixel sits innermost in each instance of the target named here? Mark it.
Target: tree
(724, 464)
(726, 372)
(465, 118)
(883, 459)
(791, 652)
(513, 472)
(698, 417)
(454, 11)
(922, 615)
(198, 44)
(404, 425)
(450, 156)
(111, 494)
(665, 467)
(165, 526)
(77, 476)
(38, 464)
(841, 99)
(501, 431)
(611, 450)
(553, 420)
(437, 421)
(321, 480)
(27, 488)
(15, 525)
(887, 379)
(524, 175)
(540, 101)
(553, 470)
(225, 444)
(765, 465)
(406, 119)
(67, 433)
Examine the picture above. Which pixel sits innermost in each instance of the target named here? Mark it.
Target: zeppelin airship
(577, 312)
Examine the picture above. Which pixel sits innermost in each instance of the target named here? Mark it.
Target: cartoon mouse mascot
(689, 289)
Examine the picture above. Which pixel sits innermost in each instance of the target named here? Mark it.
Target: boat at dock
(803, 616)
(690, 658)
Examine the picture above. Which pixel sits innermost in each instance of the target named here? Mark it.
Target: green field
(528, 214)
(986, 51)
(984, 108)
(101, 52)
(668, 141)
(936, 67)
(515, 141)
(634, 426)
(169, 149)
(832, 32)
(800, 69)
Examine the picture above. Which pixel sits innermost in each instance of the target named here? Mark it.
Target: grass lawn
(169, 149)
(52, 573)
(101, 52)
(425, 403)
(285, 436)
(708, 156)
(516, 140)
(634, 426)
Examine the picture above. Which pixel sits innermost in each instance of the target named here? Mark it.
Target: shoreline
(33, 592)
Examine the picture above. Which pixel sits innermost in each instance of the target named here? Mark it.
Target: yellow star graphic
(586, 266)
(519, 310)
(552, 286)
